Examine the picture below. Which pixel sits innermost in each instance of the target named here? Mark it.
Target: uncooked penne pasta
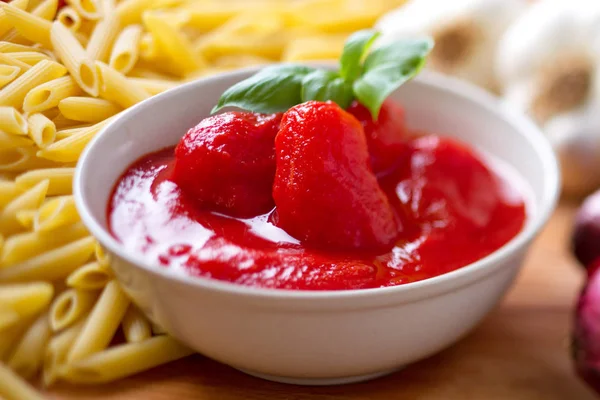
(21, 159)
(148, 47)
(60, 179)
(12, 387)
(66, 132)
(125, 51)
(70, 306)
(31, 199)
(14, 93)
(25, 218)
(46, 9)
(8, 73)
(27, 357)
(7, 59)
(8, 191)
(10, 336)
(54, 264)
(125, 360)
(117, 88)
(69, 18)
(69, 149)
(55, 213)
(29, 26)
(173, 44)
(11, 141)
(11, 121)
(75, 59)
(41, 130)
(26, 299)
(130, 11)
(8, 318)
(57, 350)
(101, 324)
(101, 256)
(103, 37)
(87, 109)
(154, 86)
(21, 247)
(5, 25)
(30, 57)
(91, 276)
(61, 122)
(136, 327)
(49, 94)
(89, 9)
(8, 47)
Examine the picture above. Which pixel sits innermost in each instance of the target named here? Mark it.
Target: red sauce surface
(454, 211)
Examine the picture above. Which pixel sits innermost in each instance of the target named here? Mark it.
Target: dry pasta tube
(25, 218)
(46, 9)
(57, 350)
(75, 59)
(29, 200)
(103, 37)
(125, 52)
(49, 94)
(69, 149)
(8, 73)
(29, 26)
(11, 121)
(12, 387)
(21, 159)
(8, 318)
(14, 93)
(55, 213)
(52, 265)
(21, 247)
(30, 57)
(8, 192)
(11, 141)
(102, 323)
(114, 86)
(154, 86)
(89, 9)
(125, 360)
(9, 338)
(136, 327)
(69, 18)
(5, 25)
(70, 306)
(27, 357)
(60, 180)
(87, 109)
(41, 130)
(26, 299)
(90, 276)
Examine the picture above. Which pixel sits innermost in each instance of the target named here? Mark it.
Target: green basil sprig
(369, 77)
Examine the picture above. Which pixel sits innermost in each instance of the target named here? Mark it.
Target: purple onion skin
(586, 235)
(586, 335)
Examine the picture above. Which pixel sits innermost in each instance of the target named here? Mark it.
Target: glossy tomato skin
(386, 137)
(325, 191)
(226, 163)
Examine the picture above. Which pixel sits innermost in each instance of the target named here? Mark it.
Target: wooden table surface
(520, 351)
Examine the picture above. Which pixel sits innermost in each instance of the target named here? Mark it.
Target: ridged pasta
(11, 141)
(50, 94)
(46, 9)
(56, 213)
(57, 350)
(8, 191)
(89, 9)
(14, 93)
(29, 26)
(75, 59)
(21, 159)
(114, 86)
(30, 57)
(125, 360)
(91, 276)
(70, 306)
(8, 73)
(60, 179)
(25, 218)
(125, 51)
(27, 299)
(136, 327)
(27, 357)
(21, 247)
(87, 109)
(103, 37)
(41, 130)
(29, 200)
(154, 86)
(5, 25)
(12, 387)
(12, 121)
(69, 18)
(7, 59)
(101, 325)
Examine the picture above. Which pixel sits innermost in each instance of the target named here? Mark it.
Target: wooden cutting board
(520, 351)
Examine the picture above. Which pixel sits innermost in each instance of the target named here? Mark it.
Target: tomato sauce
(454, 207)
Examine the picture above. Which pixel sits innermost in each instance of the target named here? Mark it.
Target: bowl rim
(451, 85)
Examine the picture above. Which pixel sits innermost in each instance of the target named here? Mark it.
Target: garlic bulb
(548, 64)
(466, 33)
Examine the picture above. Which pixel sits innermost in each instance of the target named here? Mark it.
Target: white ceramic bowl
(327, 337)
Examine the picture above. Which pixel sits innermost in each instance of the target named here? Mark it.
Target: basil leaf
(388, 67)
(325, 85)
(354, 51)
(273, 89)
